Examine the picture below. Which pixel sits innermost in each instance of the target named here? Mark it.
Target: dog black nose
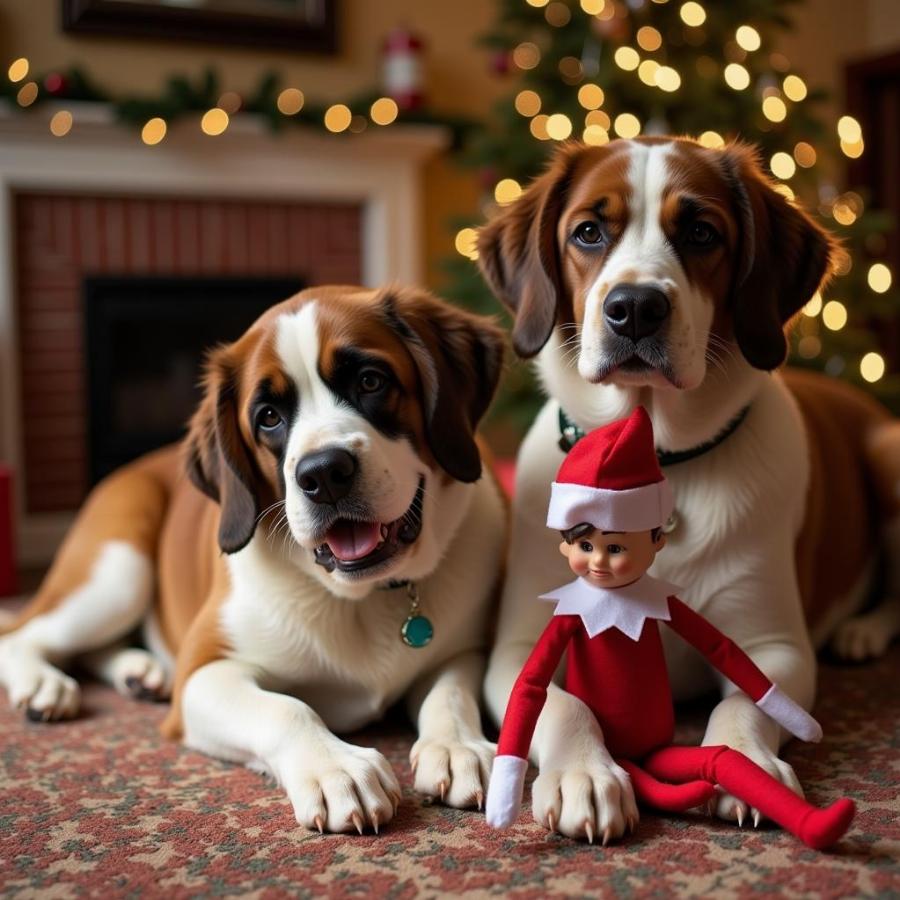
(326, 475)
(635, 311)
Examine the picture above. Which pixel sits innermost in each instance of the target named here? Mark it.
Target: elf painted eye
(268, 418)
(587, 547)
(701, 234)
(588, 234)
(371, 381)
(614, 548)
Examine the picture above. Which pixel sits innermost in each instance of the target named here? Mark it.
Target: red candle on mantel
(7, 545)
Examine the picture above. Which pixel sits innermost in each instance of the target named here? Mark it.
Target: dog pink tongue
(353, 540)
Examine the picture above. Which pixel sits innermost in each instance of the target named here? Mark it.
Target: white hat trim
(634, 509)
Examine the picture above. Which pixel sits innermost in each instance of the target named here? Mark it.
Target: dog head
(654, 252)
(342, 424)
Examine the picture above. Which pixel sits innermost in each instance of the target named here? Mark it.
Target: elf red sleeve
(530, 690)
(720, 650)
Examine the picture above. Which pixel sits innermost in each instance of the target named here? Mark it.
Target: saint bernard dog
(661, 273)
(342, 500)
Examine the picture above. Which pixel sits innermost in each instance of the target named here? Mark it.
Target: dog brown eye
(371, 381)
(268, 418)
(702, 234)
(588, 233)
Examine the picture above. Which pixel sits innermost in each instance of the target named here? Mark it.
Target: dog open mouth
(355, 546)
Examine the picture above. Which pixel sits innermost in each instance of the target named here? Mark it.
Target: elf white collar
(625, 608)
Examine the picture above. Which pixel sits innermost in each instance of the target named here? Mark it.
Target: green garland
(182, 98)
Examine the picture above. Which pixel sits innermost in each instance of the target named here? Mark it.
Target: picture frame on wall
(305, 25)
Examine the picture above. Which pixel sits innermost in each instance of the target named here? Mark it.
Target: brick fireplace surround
(98, 202)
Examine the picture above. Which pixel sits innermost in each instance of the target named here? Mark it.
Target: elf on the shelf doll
(610, 501)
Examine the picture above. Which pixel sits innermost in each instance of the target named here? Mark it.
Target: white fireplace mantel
(379, 169)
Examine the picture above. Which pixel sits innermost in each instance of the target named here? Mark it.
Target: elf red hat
(612, 480)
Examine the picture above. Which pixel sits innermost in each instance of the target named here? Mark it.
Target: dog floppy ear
(458, 357)
(519, 258)
(783, 258)
(217, 458)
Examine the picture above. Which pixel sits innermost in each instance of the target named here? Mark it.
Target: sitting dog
(340, 478)
(660, 273)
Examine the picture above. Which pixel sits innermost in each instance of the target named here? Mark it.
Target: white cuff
(504, 799)
(778, 706)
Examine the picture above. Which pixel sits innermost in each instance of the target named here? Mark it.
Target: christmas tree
(598, 69)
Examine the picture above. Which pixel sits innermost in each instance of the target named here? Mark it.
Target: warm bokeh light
(528, 103)
(598, 117)
(782, 165)
(794, 88)
(774, 109)
(231, 102)
(558, 14)
(814, 306)
(667, 79)
(748, 38)
(18, 69)
(849, 130)
(871, 367)
(527, 55)
(736, 76)
(809, 347)
(854, 151)
(384, 111)
(61, 123)
(290, 101)
(627, 58)
(805, 154)
(214, 121)
(692, 14)
(571, 70)
(843, 214)
(591, 96)
(507, 191)
(153, 131)
(538, 127)
(593, 7)
(338, 118)
(834, 315)
(27, 94)
(559, 126)
(627, 125)
(649, 38)
(466, 242)
(711, 139)
(879, 278)
(595, 135)
(784, 189)
(537, 3)
(647, 72)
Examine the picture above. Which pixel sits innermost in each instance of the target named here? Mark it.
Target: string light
(627, 125)
(595, 135)
(805, 154)
(230, 101)
(748, 38)
(593, 7)
(528, 103)
(809, 347)
(598, 117)
(591, 96)
(794, 88)
(558, 14)
(537, 3)
(667, 79)
(290, 101)
(527, 55)
(384, 111)
(61, 123)
(849, 130)
(834, 315)
(559, 126)
(784, 190)
(538, 127)
(27, 94)
(507, 191)
(18, 69)
(736, 76)
(649, 38)
(782, 165)
(466, 243)
(843, 214)
(855, 150)
(774, 109)
(692, 14)
(153, 131)
(571, 70)
(338, 118)
(814, 306)
(879, 278)
(647, 72)
(627, 58)
(214, 121)
(711, 139)
(871, 367)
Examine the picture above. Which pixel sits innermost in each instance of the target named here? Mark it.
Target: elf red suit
(610, 491)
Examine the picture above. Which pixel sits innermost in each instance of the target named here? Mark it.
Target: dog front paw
(454, 771)
(339, 787)
(585, 796)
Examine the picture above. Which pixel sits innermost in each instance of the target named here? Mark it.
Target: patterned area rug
(104, 807)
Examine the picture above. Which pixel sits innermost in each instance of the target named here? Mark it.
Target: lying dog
(658, 272)
(339, 473)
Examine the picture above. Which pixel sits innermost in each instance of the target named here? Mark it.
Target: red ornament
(56, 84)
(403, 68)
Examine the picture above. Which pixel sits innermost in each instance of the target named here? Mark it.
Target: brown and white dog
(337, 464)
(658, 272)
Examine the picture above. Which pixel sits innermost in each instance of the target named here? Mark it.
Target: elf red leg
(664, 796)
(817, 828)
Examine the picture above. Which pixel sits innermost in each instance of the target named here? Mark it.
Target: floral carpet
(105, 807)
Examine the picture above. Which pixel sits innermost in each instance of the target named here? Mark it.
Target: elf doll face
(611, 559)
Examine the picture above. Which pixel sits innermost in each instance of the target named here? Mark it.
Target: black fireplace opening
(146, 339)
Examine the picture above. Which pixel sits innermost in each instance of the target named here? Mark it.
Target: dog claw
(319, 824)
(375, 822)
(356, 818)
(589, 830)
(739, 813)
(551, 822)
(479, 799)
(756, 818)
(442, 787)
(607, 834)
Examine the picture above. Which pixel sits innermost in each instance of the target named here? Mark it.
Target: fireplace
(145, 340)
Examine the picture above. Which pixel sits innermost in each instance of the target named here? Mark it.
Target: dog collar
(570, 434)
